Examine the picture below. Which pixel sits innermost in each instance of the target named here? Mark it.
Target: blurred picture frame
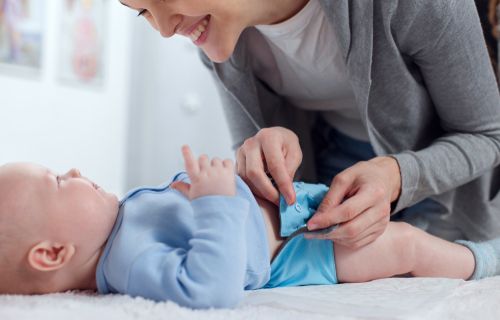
(82, 42)
(21, 36)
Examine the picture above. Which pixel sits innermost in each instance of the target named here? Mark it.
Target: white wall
(127, 133)
(61, 126)
(167, 74)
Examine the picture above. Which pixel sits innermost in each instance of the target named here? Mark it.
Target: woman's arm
(447, 44)
(444, 38)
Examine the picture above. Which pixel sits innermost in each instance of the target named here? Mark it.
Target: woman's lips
(190, 30)
(200, 34)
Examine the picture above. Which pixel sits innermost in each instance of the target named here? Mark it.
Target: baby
(199, 241)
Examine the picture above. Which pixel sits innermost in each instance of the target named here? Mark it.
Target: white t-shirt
(311, 72)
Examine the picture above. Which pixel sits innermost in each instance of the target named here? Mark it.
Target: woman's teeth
(196, 34)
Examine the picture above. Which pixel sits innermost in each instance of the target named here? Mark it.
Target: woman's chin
(218, 56)
(219, 51)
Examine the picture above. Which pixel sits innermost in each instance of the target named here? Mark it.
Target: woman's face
(212, 25)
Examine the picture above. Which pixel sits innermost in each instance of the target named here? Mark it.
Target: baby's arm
(210, 270)
(403, 249)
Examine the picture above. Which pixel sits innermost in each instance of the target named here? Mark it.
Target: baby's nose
(74, 173)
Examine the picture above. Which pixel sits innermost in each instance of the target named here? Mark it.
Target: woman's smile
(198, 32)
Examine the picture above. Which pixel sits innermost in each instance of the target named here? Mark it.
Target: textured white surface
(398, 298)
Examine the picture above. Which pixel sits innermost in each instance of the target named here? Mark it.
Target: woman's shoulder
(421, 22)
(401, 16)
(408, 12)
(429, 8)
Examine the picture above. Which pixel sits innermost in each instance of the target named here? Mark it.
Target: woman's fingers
(361, 230)
(293, 159)
(255, 172)
(367, 236)
(341, 187)
(326, 215)
(255, 190)
(350, 208)
(241, 163)
(276, 165)
(362, 242)
(358, 202)
(275, 152)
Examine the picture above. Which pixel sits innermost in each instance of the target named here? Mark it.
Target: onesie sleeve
(210, 270)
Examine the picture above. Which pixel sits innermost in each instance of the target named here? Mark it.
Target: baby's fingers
(204, 162)
(228, 163)
(216, 162)
(182, 187)
(192, 166)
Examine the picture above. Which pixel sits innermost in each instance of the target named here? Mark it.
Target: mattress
(395, 298)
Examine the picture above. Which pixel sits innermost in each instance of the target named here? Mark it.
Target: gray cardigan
(425, 89)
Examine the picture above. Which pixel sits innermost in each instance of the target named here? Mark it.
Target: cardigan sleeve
(445, 40)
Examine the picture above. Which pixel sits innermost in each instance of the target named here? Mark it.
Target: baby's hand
(216, 177)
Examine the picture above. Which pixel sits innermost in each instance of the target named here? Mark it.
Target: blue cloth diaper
(302, 261)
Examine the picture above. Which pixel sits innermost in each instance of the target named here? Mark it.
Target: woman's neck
(269, 12)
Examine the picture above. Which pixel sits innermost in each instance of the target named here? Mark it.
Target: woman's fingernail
(312, 226)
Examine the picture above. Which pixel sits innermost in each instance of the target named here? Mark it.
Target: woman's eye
(142, 12)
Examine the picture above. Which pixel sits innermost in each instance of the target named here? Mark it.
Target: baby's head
(52, 229)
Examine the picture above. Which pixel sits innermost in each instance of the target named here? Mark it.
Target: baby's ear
(50, 256)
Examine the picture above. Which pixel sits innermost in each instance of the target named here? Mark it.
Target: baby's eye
(142, 12)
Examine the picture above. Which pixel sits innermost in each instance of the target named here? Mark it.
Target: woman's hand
(274, 151)
(359, 200)
(215, 177)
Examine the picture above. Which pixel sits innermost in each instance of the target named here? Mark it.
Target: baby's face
(69, 207)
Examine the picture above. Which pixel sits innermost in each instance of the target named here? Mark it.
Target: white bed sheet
(397, 298)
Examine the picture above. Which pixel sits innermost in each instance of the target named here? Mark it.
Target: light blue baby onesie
(201, 253)
(206, 252)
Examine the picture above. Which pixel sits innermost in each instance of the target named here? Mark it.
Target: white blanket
(396, 298)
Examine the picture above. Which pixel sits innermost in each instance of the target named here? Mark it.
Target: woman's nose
(167, 27)
(166, 31)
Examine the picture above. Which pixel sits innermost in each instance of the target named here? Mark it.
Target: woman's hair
(494, 63)
(487, 10)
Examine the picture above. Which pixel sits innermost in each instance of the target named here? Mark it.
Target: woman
(398, 97)
(493, 9)
(487, 15)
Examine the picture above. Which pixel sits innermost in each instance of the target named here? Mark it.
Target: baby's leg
(403, 249)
